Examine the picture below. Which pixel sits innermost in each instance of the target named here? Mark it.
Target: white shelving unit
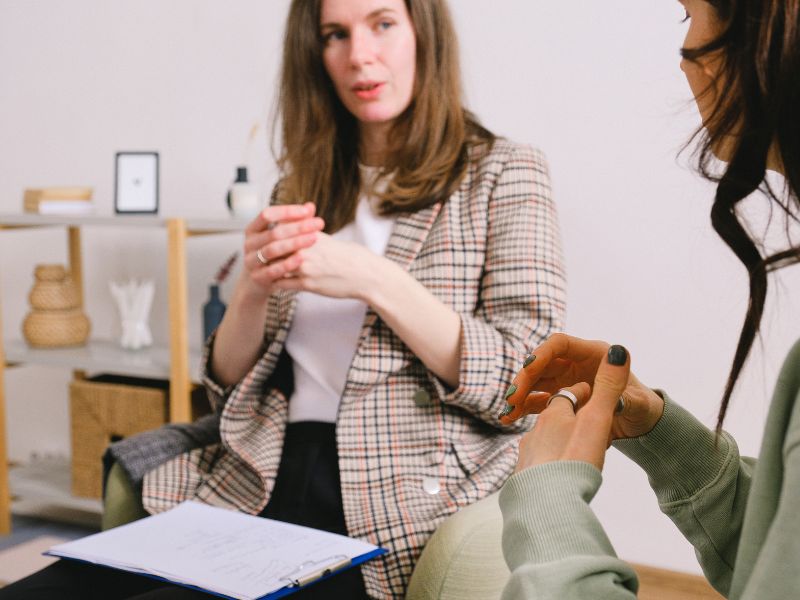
(42, 489)
(102, 355)
(175, 362)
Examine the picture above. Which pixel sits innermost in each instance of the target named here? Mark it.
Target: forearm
(238, 341)
(701, 483)
(430, 329)
(553, 543)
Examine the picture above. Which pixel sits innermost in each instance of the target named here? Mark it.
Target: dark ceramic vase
(213, 311)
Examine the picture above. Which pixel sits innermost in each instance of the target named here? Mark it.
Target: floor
(29, 538)
(24, 529)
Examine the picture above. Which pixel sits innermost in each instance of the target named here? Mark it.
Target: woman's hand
(561, 433)
(336, 269)
(562, 361)
(272, 244)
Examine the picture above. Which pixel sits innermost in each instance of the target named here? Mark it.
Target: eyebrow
(372, 15)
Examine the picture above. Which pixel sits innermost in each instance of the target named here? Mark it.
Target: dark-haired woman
(742, 61)
(409, 261)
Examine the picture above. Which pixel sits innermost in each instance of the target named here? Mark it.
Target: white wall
(594, 84)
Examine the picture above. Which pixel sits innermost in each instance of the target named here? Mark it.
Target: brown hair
(429, 144)
(757, 110)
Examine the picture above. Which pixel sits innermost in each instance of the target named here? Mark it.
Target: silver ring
(564, 393)
(261, 258)
(620, 404)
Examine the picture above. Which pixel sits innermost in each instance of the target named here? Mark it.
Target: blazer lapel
(408, 236)
(409, 233)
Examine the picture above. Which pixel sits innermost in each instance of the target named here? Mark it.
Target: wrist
(377, 284)
(656, 408)
(249, 296)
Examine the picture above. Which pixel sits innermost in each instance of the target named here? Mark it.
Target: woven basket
(54, 295)
(50, 272)
(55, 329)
(105, 409)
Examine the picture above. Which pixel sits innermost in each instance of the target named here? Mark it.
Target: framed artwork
(136, 183)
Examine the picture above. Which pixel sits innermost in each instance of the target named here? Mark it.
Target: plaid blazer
(411, 450)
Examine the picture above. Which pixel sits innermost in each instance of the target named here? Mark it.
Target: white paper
(219, 550)
(65, 207)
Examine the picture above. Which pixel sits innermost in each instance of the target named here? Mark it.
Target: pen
(318, 574)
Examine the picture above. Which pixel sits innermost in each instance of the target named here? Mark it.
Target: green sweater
(742, 516)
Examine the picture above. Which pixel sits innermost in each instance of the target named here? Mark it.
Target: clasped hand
(285, 248)
(598, 375)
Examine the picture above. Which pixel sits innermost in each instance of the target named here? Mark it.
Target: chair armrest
(463, 560)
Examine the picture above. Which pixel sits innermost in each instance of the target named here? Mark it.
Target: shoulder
(506, 163)
(790, 372)
(505, 153)
(784, 418)
(507, 167)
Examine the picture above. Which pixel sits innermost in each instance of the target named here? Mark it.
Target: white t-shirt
(325, 331)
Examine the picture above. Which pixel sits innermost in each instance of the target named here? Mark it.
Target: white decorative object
(134, 300)
(136, 182)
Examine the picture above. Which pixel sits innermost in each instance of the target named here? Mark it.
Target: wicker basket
(50, 272)
(55, 329)
(104, 409)
(54, 295)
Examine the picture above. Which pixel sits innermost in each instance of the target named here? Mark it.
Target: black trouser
(307, 492)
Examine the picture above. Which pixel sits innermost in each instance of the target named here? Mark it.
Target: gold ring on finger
(261, 258)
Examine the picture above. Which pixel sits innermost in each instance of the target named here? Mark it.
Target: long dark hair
(756, 117)
(430, 143)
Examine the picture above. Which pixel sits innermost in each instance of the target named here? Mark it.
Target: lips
(365, 86)
(367, 90)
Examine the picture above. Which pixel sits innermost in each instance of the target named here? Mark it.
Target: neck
(774, 162)
(373, 143)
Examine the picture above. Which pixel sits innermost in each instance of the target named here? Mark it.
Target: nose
(362, 47)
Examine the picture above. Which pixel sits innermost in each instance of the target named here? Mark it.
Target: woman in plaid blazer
(467, 277)
(359, 371)
(394, 306)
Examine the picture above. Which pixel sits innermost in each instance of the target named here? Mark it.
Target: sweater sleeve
(553, 543)
(522, 288)
(701, 483)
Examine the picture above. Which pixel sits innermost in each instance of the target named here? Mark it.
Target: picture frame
(136, 183)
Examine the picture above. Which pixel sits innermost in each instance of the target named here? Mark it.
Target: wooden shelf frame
(180, 363)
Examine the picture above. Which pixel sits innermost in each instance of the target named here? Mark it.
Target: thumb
(594, 420)
(611, 378)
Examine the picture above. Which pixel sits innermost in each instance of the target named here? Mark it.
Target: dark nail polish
(617, 355)
(511, 389)
(528, 360)
(507, 410)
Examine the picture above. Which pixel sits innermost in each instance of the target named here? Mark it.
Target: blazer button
(422, 397)
(431, 485)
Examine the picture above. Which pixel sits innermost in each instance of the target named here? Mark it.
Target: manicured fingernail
(511, 389)
(528, 360)
(507, 410)
(617, 355)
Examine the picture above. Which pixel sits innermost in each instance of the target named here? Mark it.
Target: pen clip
(313, 570)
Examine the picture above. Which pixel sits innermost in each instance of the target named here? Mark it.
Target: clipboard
(222, 552)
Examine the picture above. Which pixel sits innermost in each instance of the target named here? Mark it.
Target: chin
(375, 115)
